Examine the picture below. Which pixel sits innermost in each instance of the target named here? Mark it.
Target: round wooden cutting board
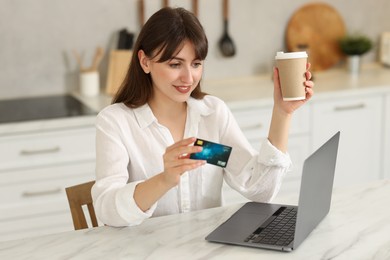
(317, 26)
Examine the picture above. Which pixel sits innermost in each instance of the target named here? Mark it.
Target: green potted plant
(355, 45)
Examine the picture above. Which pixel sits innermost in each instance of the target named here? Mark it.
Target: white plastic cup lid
(290, 55)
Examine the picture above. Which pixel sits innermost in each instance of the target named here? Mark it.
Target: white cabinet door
(37, 149)
(35, 169)
(254, 122)
(33, 201)
(386, 138)
(360, 122)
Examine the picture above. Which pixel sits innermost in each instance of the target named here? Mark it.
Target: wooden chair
(78, 196)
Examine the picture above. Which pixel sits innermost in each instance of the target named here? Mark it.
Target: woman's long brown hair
(164, 33)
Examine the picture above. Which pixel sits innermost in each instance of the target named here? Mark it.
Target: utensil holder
(89, 83)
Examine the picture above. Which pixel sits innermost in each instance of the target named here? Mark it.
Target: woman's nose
(186, 76)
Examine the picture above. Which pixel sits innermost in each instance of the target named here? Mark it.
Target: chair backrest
(78, 196)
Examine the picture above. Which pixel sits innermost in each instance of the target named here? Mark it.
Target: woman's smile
(183, 89)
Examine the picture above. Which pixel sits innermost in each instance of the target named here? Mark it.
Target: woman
(145, 137)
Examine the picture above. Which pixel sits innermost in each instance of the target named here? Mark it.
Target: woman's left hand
(290, 106)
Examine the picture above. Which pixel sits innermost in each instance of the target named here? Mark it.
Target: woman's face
(175, 79)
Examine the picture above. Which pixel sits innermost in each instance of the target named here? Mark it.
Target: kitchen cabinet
(47, 147)
(359, 119)
(35, 168)
(254, 121)
(386, 139)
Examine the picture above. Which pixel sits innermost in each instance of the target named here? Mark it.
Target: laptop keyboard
(278, 230)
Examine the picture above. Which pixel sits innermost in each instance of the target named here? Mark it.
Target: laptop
(285, 227)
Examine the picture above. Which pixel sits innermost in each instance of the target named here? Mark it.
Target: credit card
(213, 153)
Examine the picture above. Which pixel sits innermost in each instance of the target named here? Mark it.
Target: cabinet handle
(41, 193)
(351, 107)
(42, 151)
(252, 127)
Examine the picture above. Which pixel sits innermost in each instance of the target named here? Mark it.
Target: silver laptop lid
(316, 188)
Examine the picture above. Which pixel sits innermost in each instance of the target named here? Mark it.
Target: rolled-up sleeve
(261, 177)
(269, 155)
(117, 207)
(131, 213)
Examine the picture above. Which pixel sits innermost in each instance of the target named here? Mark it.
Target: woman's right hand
(177, 160)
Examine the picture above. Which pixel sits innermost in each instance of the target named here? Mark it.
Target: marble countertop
(46, 124)
(337, 81)
(357, 227)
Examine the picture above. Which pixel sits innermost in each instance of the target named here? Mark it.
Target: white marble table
(357, 227)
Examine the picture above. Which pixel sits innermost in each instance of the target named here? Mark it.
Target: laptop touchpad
(243, 224)
(237, 228)
(246, 219)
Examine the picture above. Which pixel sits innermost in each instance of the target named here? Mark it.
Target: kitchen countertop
(46, 124)
(35, 114)
(252, 90)
(258, 90)
(357, 227)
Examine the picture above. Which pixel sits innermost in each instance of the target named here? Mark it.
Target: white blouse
(130, 144)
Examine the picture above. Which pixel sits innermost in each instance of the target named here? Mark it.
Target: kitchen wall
(37, 36)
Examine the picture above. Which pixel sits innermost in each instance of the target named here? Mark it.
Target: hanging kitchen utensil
(226, 44)
(141, 13)
(195, 4)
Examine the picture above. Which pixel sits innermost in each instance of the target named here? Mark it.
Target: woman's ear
(144, 61)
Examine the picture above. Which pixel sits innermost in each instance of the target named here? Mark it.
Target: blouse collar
(196, 108)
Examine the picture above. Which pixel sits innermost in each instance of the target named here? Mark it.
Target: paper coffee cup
(292, 69)
(89, 83)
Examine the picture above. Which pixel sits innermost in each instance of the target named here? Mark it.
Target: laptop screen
(316, 188)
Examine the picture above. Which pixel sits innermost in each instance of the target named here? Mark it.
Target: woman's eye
(197, 64)
(174, 65)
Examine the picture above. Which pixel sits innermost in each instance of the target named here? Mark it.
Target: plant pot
(353, 63)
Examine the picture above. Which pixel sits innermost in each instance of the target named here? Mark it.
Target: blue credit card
(213, 153)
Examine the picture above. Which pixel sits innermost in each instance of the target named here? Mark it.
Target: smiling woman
(173, 80)
(160, 40)
(144, 140)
